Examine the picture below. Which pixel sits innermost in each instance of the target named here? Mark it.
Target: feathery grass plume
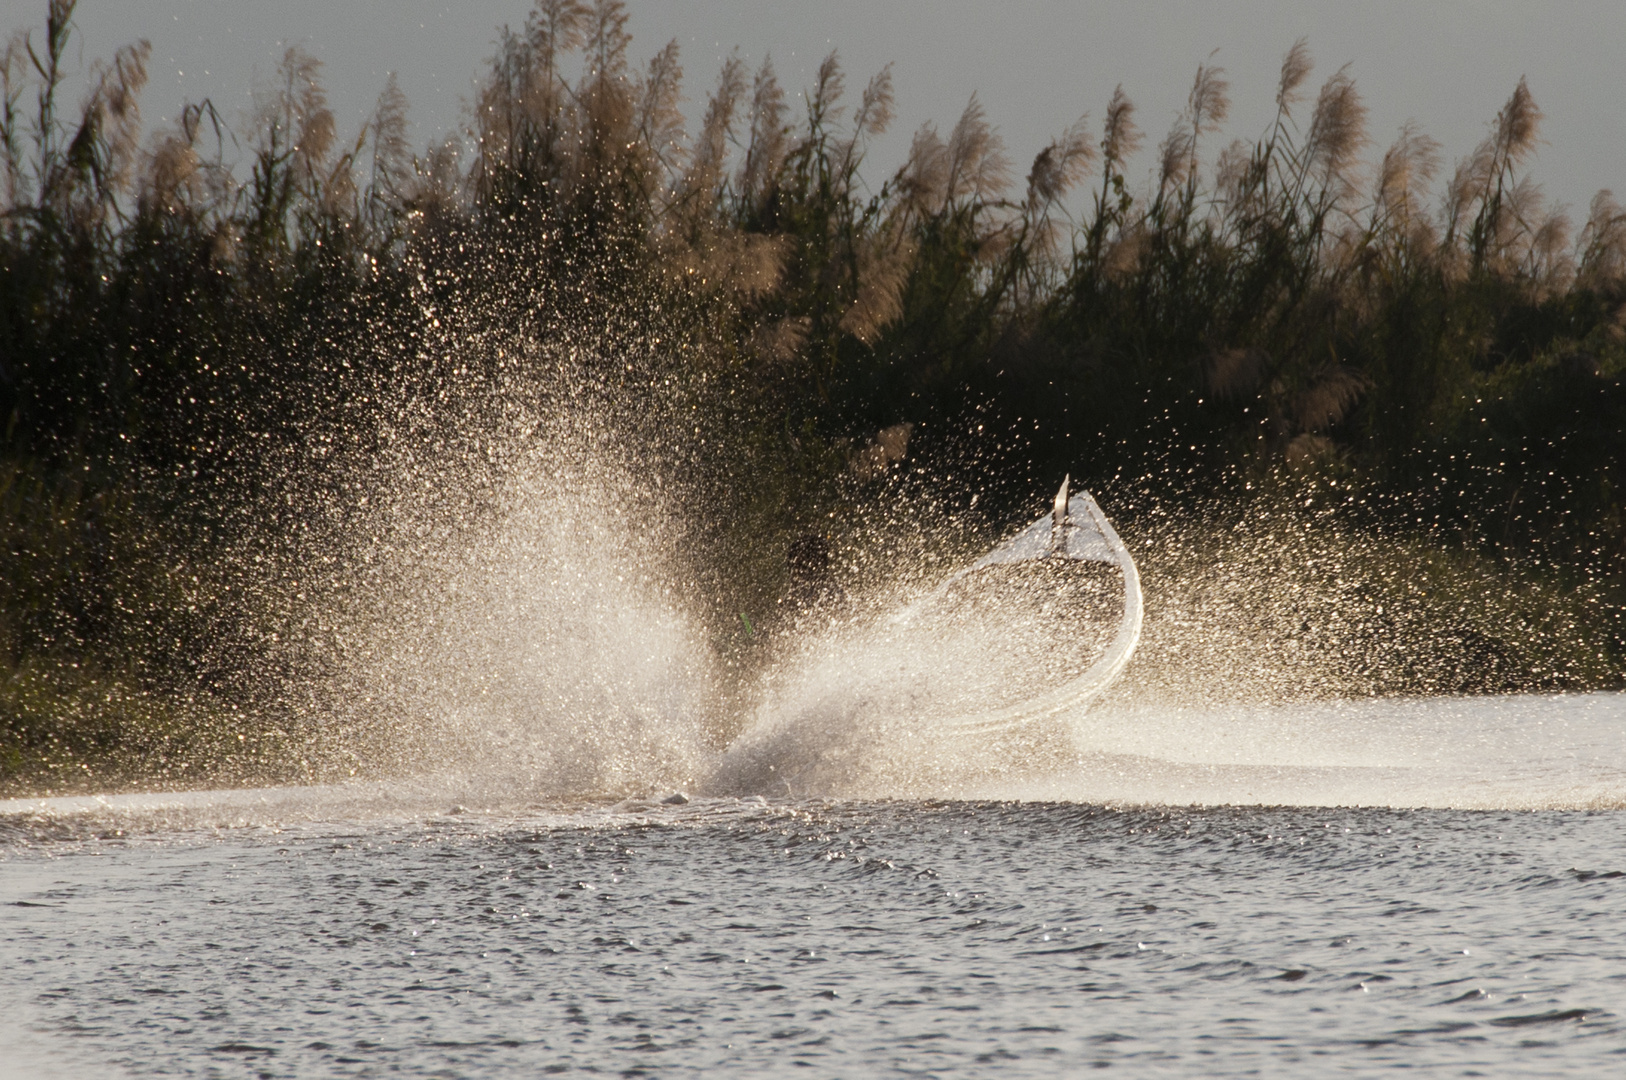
(76, 178)
(1232, 175)
(102, 151)
(768, 141)
(14, 69)
(1521, 207)
(606, 40)
(1258, 185)
(606, 94)
(975, 164)
(1210, 101)
(1603, 244)
(1487, 179)
(873, 116)
(525, 121)
(883, 271)
(1510, 227)
(1120, 138)
(553, 29)
(1517, 126)
(177, 182)
(1056, 170)
(20, 58)
(703, 183)
(1124, 254)
(1296, 67)
(434, 192)
(702, 250)
(170, 181)
(1408, 167)
(392, 153)
(1059, 167)
(824, 104)
(294, 120)
(1550, 263)
(503, 99)
(923, 177)
(293, 134)
(1336, 137)
(1465, 195)
(743, 266)
(876, 107)
(1174, 157)
(1207, 106)
(660, 123)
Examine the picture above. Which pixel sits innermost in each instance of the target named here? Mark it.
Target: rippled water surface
(745, 937)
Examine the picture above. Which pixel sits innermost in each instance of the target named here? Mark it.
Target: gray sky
(1035, 64)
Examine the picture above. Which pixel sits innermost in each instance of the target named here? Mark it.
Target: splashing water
(512, 619)
(868, 709)
(853, 717)
(549, 655)
(543, 650)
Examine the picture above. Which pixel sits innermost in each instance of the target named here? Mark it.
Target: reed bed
(202, 326)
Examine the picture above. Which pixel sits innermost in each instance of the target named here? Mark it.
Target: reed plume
(1207, 106)
(975, 165)
(1408, 167)
(824, 103)
(606, 93)
(391, 171)
(872, 118)
(13, 84)
(769, 139)
(291, 118)
(883, 272)
(178, 182)
(1120, 138)
(660, 120)
(1603, 244)
(709, 155)
(553, 29)
(1336, 137)
(1296, 67)
(1060, 166)
(876, 108)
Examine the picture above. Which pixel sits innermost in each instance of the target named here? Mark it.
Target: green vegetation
(204, 334)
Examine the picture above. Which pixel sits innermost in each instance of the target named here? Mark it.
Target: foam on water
(1524, 752)
(1519, 752)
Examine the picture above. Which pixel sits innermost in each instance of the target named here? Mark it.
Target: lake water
(1438, 885)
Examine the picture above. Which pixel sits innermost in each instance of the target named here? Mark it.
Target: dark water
(860, 938)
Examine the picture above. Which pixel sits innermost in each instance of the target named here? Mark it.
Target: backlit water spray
(549, 646)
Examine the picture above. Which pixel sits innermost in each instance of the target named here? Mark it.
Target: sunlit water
(371, 930)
